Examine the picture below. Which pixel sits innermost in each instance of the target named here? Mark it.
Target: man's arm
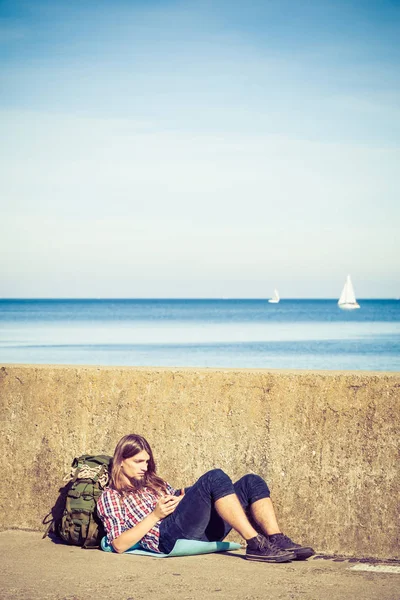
(164, 507)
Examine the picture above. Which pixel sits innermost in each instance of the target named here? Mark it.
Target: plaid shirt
(120, 513)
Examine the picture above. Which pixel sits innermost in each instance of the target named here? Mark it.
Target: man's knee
(252, 478)
(254, 482)
(216, 475)
(217, 482)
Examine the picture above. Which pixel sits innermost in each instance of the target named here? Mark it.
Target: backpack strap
(49, 524)
(91, 538)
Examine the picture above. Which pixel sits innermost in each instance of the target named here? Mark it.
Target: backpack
(74, 516)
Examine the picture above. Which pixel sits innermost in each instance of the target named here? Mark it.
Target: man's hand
(166, 505)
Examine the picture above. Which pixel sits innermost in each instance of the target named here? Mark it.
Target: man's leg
(263, 514)
(263, 518)
(215, 493)
(231, 511)
(254, 497)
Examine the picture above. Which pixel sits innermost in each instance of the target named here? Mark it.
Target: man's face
(136, 466)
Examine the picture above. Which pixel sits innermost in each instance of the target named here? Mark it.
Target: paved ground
(36, 569)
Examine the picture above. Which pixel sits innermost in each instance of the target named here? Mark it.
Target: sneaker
(283, 542)
(259, 548)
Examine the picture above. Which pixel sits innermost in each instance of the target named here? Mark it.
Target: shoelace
(269, 545)
(286, 542)
(280, 537)
(284, 538)
(274, 543)
(264, 543)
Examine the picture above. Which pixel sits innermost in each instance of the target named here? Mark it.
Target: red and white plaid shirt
(120, 513)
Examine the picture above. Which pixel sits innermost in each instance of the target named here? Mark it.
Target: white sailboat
(275, 298)
(347, 300)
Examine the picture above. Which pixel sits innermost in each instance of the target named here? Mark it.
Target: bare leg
(230, 509)
(264, 515)
(258, 547)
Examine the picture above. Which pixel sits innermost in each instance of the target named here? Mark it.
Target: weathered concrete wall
(327, 442)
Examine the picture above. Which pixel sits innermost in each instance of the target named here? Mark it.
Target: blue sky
(199, 149)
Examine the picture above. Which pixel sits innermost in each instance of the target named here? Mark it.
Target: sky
(207, 148)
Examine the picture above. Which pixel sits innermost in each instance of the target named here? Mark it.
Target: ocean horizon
(296, 333)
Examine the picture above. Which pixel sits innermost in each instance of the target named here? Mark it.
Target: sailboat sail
(347, 298)
(275, 297)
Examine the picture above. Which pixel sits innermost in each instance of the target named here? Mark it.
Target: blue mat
(181, 548)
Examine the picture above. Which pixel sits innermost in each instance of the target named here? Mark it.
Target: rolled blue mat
(181, 548)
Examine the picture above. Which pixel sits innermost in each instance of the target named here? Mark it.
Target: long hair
(129, 446)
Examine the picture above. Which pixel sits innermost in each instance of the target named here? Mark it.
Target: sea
(227, 333)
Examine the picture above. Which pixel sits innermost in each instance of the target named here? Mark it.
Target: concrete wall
(327, 442)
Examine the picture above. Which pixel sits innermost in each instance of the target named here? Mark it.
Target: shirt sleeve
(112, 513)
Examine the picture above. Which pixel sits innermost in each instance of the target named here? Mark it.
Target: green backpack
(74, 516)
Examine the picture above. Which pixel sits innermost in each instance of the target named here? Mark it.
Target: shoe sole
(302, 553)
(271, 559)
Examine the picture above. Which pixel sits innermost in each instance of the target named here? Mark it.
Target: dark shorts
(195, 517)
